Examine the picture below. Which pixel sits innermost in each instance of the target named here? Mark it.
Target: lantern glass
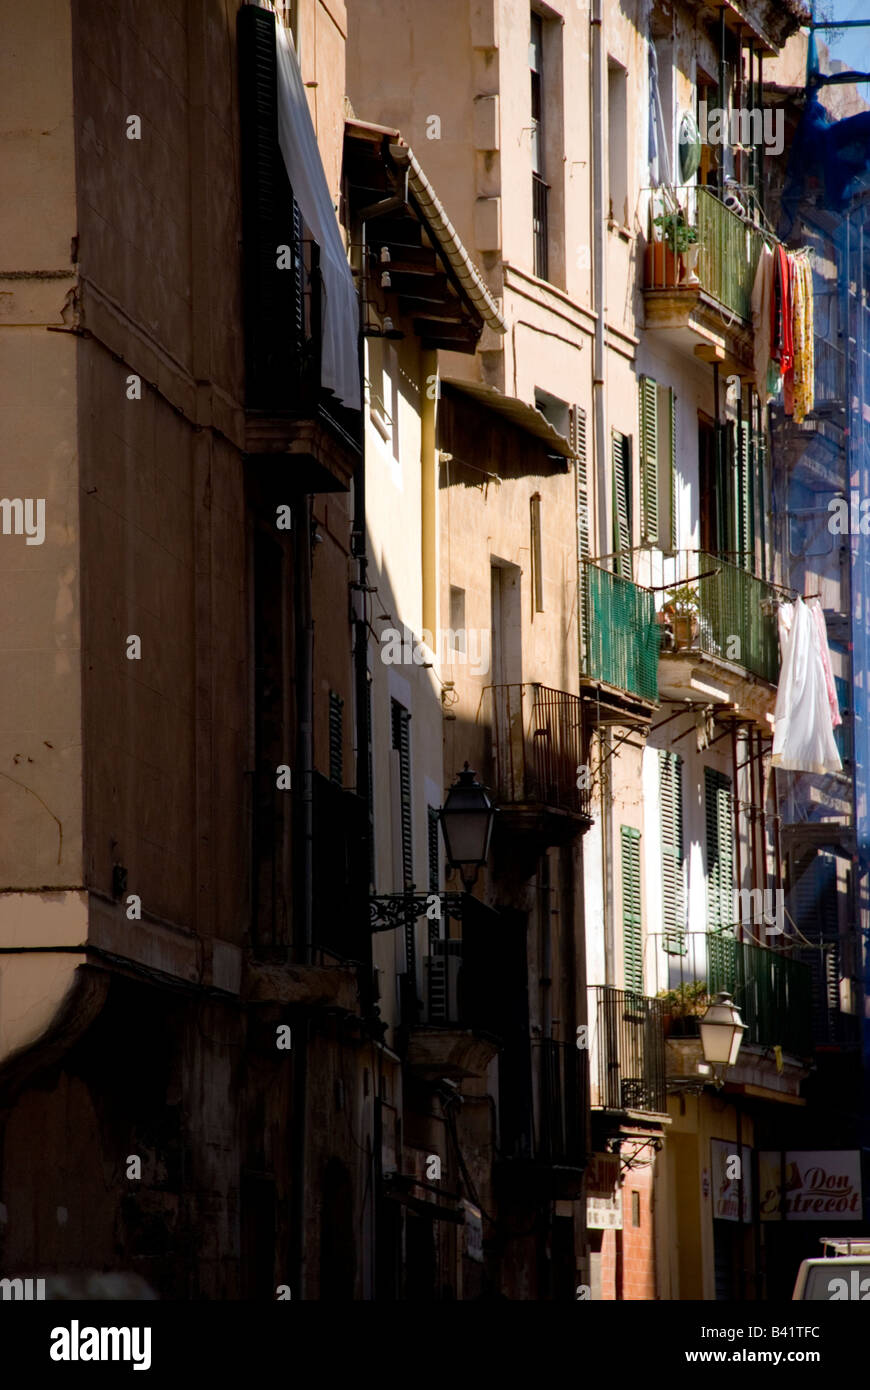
(721, 1030)
(466, 820)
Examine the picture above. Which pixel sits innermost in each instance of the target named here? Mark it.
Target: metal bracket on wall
(390, 910)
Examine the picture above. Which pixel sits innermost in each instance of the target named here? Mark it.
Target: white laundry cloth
(339, 363)
(803, 737)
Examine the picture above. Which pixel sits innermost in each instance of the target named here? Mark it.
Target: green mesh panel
(622, 636)
(737, 619)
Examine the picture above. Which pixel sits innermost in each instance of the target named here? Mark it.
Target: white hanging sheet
(339, 354)
(803, 738)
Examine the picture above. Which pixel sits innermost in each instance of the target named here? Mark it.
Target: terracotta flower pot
(663, 269)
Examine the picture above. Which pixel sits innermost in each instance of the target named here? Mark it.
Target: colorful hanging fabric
(782, 310)
(762, 293)
(804, 340)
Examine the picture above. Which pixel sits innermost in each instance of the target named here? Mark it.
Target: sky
(853, 45)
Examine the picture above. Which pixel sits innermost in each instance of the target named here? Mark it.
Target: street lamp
(721, 1030)
(466, 822)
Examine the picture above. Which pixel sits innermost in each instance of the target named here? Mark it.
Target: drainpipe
(599, 415)
(429, 493)
(305, 746)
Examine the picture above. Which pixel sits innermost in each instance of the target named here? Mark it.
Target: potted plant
(682, 613)
(683, 1007)
(672, 258)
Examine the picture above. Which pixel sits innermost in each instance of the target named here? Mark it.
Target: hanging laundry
(815, 608)
(762, 295)
(803, 377)
(803, 738)
(782, 310)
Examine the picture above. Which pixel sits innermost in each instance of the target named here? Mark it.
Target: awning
(527, 417)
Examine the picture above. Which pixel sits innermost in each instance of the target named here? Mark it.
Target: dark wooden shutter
(402, 743)
(621, 470)
(434, 875)
(673, 899)
(273, 300)
(578, 433)
(745, 497)
(632, 926)
(336, 737)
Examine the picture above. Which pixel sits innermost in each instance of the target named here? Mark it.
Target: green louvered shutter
(632, 929)
(578, 429)
(745, 498)
(621, 470)
(720, 850)
(671, 493)
(649, 460)
(673, 899)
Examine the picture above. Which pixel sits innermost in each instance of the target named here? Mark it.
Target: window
(673, 896)
(622, 493)
(457, 619)
(336, 735)
(535, 546)
(383, 384)
(658, 492)
(540, 188)
(731, 456)
(720, 850)
(617, 142)
(632, 927)
(635, 1208)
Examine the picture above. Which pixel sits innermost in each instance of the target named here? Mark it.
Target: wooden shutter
(434, 876)
(723, 504)
(632, 926)
(621, 470)
(336, 738)
(578, 443)
(745, 496)
(720, 850)
(667, 447)
(673, 898)
(649, 461)
(579, 446)
(402, 744)
(273, 301)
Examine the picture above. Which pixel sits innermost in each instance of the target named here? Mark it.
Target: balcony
(720, 643)
(627, 1052)
(536, 747)
(620, 636)
(772, 990)
(704, 308)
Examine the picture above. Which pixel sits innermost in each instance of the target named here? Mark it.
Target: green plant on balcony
(677, 232)
(681, 1006)
(682, 611)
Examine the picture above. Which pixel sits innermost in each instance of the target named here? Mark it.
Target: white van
(841, 1277)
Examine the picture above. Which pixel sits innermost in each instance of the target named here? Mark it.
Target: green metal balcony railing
(727, 256)
(773, 991)
(735, 618)
(620, 633)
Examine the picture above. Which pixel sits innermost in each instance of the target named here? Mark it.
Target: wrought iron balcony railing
(773, 991)
(620, 634)
(726, 256)
(733, 615)
(537, 746)
(541, 227)
(627, 1051)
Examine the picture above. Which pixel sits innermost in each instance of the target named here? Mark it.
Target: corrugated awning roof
(431, 211)
(527, 417)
